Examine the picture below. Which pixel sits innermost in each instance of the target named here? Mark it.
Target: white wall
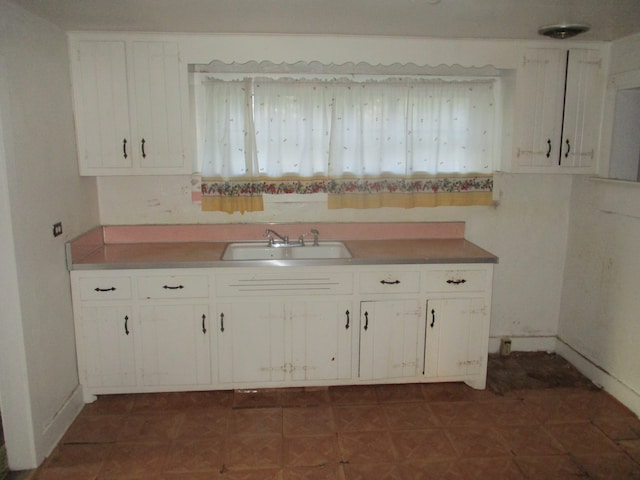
(43, 187)
(600, 304)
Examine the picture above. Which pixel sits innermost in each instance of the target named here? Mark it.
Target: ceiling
(500, 19)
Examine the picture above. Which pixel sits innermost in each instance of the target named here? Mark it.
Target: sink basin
(260, 251)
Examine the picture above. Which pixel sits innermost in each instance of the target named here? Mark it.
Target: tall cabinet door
(101, 104)
(321, 339)
(542, 90)
(108, 346)
(251, 342)
(454, 332)
(175, 345)
(158, 105)
(390, 343)
(583, 101)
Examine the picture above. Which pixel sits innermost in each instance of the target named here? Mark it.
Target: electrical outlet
(57, 229)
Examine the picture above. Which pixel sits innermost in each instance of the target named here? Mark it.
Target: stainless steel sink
(260, 251)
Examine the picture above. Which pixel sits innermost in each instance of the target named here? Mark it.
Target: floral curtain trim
(245, 188)
(244, 195)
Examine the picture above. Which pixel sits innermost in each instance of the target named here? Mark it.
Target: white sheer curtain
(292, 124)
(227, 144)
(304, 128)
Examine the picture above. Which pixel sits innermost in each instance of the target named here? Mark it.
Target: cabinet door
(158, 106)
(106, 351)
(456, 339)
(561, 97)
(175, 345)
(101, 105)
(541, 86)
(584, 91)
(251, 342)
(321, 339)
(389, 339)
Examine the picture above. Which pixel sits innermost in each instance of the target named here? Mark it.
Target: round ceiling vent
(564, 31)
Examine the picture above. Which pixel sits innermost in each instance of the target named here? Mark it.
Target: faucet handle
(315, 233)
(267, 233)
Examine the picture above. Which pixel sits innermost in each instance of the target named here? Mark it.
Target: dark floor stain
(533, 370)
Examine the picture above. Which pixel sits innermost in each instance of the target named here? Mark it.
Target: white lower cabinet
(255, 327)
(174, 345)
(106, 339)
(453, 327)
(267, 342)
(250, 342)
(321, 340)
(390, 340)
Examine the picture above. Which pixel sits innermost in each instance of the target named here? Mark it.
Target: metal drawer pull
(126, 324)
(433, 317)
(347, 325)
(144, 155)
(549, 151)
(456, 282)
(124, 148)
(566, 155)
(112, 289)
(167, 287)
(222, 322)
(204, 330)
(366, 320)
(395, 282)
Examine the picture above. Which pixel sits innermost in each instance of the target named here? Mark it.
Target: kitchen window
(366, 142)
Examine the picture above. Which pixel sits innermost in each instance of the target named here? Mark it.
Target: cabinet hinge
(590, 62)
(469, 362)
(533, 60)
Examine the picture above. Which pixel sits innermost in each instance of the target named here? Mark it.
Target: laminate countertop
(149, 255)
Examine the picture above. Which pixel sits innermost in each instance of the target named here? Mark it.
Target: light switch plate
(57, 229)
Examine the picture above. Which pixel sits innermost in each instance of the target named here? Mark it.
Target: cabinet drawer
(105, 288)
(456, 280)
(390, 282)
(312, 283)
(174, 286)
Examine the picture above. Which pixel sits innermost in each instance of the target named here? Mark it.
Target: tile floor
(408, 431)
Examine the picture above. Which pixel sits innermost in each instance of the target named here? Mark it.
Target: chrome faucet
(272, 242)
(315, 233)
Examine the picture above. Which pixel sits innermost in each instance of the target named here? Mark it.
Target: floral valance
(246, 195)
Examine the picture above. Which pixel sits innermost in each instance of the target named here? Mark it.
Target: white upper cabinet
(561, 94)
(131, 108)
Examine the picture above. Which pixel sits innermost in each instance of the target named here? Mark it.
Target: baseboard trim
(623, 393)
(524, 344)
(55, 429)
